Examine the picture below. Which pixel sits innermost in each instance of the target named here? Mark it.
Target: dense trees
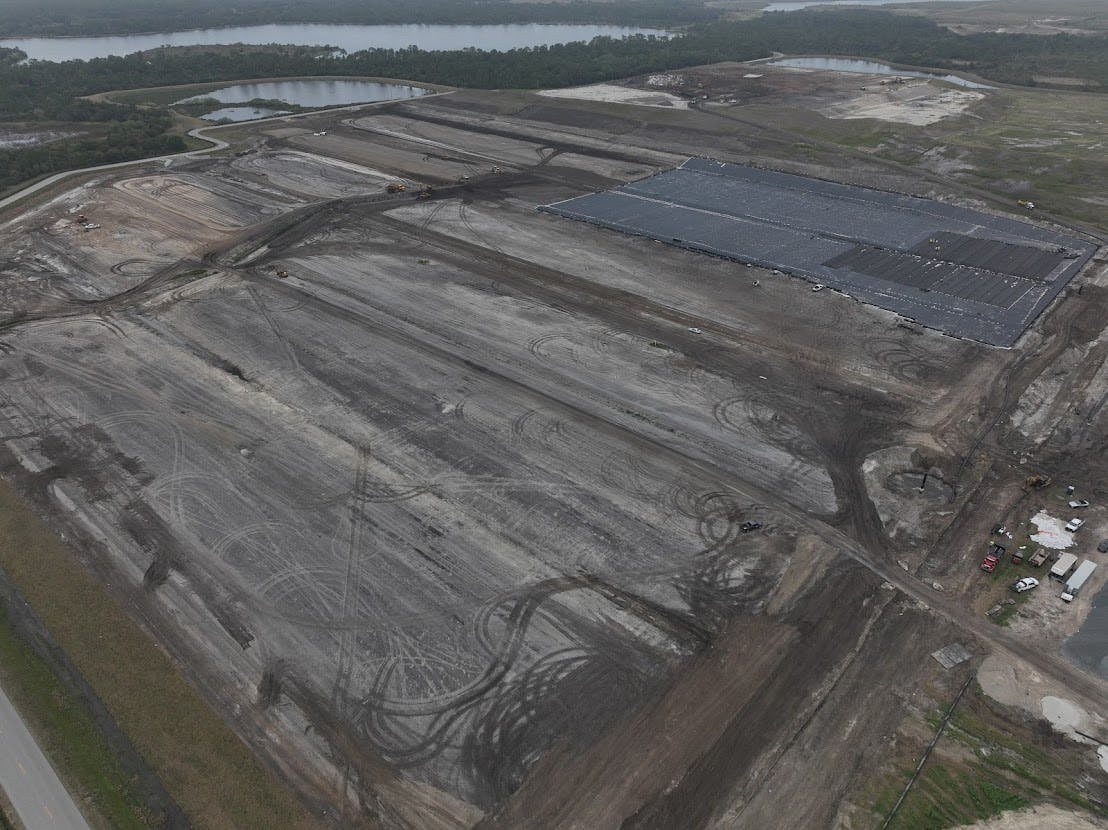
(51, 91)
(141, 135)
(1003, 57)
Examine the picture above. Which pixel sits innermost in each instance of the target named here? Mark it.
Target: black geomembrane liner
(962, 271)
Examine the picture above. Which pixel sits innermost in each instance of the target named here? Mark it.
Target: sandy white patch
(915, 103)
(665, 79)
(10, 140)
(1052, 532)
(1039, 817)
(613, 94)
(1066, 716)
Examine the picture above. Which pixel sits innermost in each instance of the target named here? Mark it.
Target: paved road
(33, 788)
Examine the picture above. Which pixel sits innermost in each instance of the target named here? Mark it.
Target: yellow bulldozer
(1037, 482)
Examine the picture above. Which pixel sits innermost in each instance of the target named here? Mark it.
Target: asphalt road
(36, 794)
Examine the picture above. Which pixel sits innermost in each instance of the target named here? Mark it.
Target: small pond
(871, 68)
(306, 93)
(241, 114)
(1089, 646)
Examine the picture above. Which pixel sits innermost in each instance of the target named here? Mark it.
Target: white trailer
(1079, 578)
(1061, 569)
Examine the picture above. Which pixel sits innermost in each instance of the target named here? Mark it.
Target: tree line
(141, 135)
(51, 91)
(1010, 58)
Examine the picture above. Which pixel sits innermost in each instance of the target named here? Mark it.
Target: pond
(1089, 646)
(241, 113)
(434, 38)
(307, 93)
(871, 68)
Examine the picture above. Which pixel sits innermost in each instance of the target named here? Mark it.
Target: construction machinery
(1037, 481)
(396, 187)
(1076, 582)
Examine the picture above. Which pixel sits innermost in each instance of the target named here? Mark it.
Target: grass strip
(210, 773)
(66, 733)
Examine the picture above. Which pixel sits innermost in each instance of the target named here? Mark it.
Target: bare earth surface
(444, 496)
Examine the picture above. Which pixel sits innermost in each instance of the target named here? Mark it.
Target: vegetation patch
(67, 734)
(205, 767)
(982, 766)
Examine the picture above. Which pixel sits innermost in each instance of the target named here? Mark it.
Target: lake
(349, 38)
(309, 93)
(870, 68)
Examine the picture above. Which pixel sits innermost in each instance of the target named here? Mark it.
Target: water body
(241, 113)
(871, 68)
(803, 4)
(324, 93)
(1089, 646)
(433, 38)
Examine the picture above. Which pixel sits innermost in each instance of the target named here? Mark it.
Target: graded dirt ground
(440, 500)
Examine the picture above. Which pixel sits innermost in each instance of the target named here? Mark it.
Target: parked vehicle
(1063, 566)
(1038, 557)
(989, 564)
(1103, 546)
(746, 527)
(1074, 525)
(1079, 578)
(1025, 584)
(1078, 503)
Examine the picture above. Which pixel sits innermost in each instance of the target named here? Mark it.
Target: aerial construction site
(512, 460)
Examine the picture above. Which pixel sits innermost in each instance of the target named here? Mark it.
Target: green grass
(951, 795)
(992, 770)
(206, 768)
(5, 822)
(69, 737)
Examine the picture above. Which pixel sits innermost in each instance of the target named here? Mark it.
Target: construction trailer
(1079, 578)
(1061, 569)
